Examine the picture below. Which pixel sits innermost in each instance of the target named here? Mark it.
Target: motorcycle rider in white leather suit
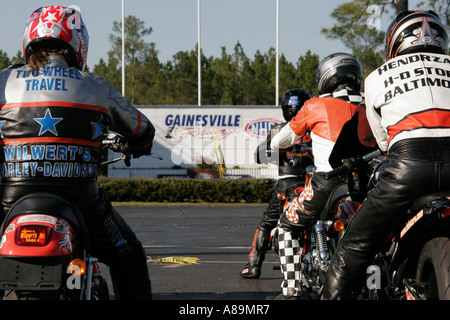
(408, 109)
(52, 120)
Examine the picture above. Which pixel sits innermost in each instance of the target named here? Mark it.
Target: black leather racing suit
(291, 171)
(408, 109)
(51, 127)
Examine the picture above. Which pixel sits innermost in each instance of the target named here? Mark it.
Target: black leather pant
(384, 210)
(272, 213)
(111, 239)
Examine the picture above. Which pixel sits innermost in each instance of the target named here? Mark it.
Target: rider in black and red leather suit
(290, 172)
(52, 120)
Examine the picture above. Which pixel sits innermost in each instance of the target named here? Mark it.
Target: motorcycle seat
(422, 201)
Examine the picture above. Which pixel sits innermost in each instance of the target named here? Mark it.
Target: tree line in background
(234, 78)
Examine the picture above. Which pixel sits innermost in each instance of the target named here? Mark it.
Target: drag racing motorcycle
(44, 248)
(319, 241)
(415, 265)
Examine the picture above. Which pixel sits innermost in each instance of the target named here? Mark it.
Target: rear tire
(433, 268)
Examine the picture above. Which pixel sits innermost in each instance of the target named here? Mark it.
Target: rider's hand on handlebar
(119, 144)
(122, 145)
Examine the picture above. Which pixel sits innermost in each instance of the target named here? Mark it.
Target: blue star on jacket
(48, 123)
(1, 125)
(98, 128)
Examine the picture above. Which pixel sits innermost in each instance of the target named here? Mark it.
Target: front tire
(433, 268)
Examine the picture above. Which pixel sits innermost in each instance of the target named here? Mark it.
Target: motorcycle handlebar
(118, 143)
(344, 168)
(300, 147)
(350, 164)
(371, 155)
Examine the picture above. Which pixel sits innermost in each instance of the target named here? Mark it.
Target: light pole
(123, 48)
(199, 60)
(277, 67)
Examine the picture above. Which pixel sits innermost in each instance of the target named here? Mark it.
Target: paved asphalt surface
(219, 236)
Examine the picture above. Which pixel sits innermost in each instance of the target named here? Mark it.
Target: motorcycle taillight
(445, 213)
(33, 235)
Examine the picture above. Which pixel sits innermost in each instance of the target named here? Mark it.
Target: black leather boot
(252, 269)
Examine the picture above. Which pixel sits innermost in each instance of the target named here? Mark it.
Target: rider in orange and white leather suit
(339, 76)
(52, 120)
(408, 109)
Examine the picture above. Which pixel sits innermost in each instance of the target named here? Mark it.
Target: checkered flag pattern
(291, 213)
(350, 95)
(297, 204)
(290, 254)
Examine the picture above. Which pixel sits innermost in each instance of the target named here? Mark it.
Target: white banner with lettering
(188, 135)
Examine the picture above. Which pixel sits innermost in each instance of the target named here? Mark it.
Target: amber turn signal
(339, 225)
(77, 267)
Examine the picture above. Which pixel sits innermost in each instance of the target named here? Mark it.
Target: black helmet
(337, 69)
(415, 31)
(293, 101)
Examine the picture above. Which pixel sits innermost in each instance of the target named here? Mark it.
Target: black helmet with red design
(57, 27)
(415, 31)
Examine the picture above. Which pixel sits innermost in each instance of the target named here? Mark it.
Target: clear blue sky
(174, 23)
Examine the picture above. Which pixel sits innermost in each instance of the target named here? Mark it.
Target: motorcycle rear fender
(424, 217)
(421, 225)
(340, 192)
(61, 237)
(45, 205)
(430, 201)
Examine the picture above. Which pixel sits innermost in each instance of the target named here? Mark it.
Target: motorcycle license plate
(23, 273)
